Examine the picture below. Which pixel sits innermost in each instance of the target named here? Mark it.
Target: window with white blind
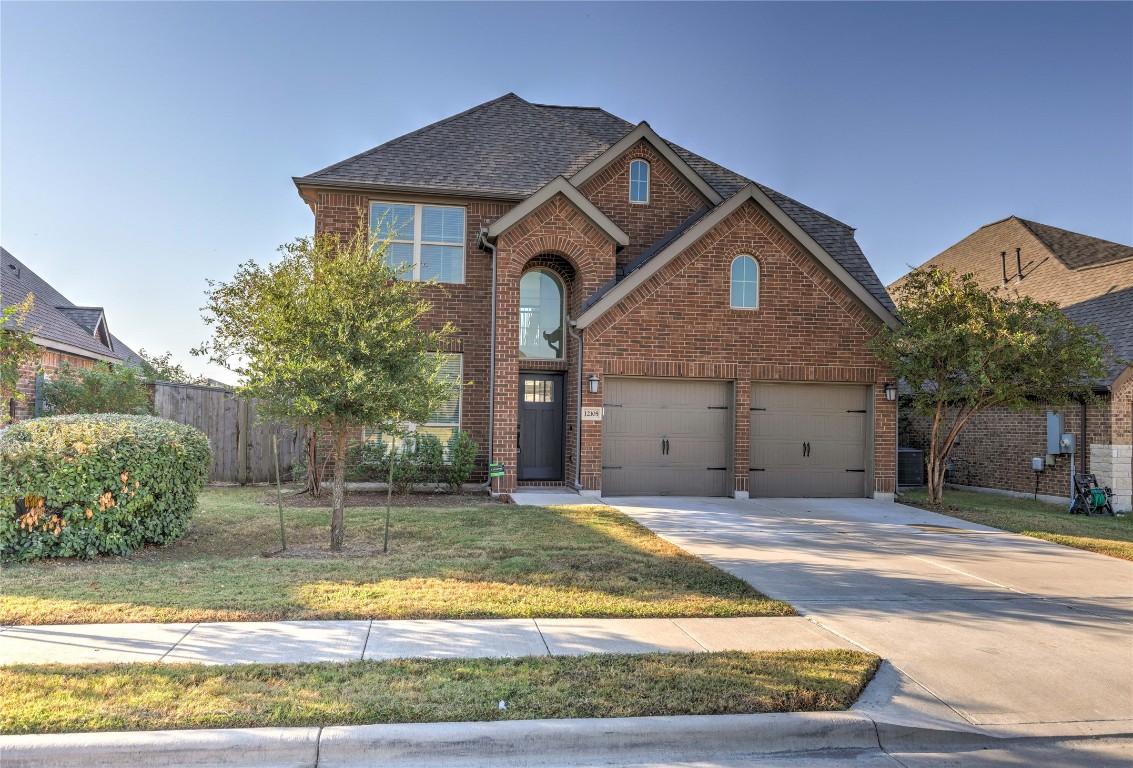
(427, 241)
(444, 422)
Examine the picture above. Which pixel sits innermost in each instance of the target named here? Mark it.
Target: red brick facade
(49, 362)
(679, 323)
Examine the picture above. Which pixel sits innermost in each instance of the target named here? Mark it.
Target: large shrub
(99, 389)
(80, 486)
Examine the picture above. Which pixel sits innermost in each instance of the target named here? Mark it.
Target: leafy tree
(162, 368)
(963, 349)
(17, 349)
(329, 337)
(102, 388)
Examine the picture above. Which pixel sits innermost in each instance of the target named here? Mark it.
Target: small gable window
(639, 181)
(745, 283)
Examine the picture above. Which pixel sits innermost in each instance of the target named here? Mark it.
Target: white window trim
(648, 181)
(731, 282)
(562, 308)
(417, 242)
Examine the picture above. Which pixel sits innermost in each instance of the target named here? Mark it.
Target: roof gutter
(302, 181)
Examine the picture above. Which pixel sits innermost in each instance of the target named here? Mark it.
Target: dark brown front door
(541, 426)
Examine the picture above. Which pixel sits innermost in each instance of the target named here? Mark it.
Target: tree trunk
(314, 472)
(338, 493)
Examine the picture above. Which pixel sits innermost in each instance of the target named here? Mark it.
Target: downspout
(1081, 445)
(483, 243)
(577, 410)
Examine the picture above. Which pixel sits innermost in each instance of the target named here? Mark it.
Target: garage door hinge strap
(605, 467)
(855, 470)
(756, 469)
(863, 410)
(717, 407)
(757, 409)
(716, 468)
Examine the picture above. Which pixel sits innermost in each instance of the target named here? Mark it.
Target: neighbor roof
(1089, 278)
(55, 320)
(1078, 251)
(509, 148)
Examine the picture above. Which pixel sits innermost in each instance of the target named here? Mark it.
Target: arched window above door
(541, 315)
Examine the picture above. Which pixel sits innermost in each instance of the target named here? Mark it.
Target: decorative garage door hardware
(757, 409)
(806, 449)
(717, 407)
(665, 446)
(861, 410)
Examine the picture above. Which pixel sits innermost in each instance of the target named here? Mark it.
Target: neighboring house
(1092, 280)
(64, 332)
(661, 324)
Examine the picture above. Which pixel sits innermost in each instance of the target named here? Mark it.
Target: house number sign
(592, 414)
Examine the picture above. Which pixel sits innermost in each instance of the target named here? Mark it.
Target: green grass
(1111, 536)
(57, 699)
(474, 560)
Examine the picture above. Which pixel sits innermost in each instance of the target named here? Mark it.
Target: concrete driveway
(983, 629)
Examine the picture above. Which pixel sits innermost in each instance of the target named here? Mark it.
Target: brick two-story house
(634, 319)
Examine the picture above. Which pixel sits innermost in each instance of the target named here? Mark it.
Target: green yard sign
(495, 470)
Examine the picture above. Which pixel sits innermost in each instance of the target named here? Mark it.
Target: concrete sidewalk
(303, 641)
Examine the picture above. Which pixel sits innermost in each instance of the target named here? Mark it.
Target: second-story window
(639, 181)
(427, 241)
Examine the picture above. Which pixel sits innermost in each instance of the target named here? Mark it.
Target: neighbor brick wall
(671, 199)
(49, 362)
(680, 323)
(996, 447)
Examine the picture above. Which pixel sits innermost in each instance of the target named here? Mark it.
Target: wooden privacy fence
(241, 449)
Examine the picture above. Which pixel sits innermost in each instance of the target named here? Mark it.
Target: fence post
(242, 430)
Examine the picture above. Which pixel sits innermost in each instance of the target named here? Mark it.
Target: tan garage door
(666, 437)
(808, 440)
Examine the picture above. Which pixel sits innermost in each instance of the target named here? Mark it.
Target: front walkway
(306, 641)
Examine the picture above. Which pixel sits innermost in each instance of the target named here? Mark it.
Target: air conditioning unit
(910, 467)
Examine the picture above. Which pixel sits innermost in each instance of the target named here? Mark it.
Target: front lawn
(1111, 536)
(57, 699)
(450, 558)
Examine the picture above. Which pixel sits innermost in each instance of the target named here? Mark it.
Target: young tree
(17, 349)
(162, 368)
(329, 337)
(962, 350)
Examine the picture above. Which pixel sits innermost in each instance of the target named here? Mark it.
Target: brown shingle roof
(54, 317)
(511, 148)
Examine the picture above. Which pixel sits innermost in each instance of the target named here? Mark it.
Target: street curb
(584, 741)
(511, 742)
(230, 747)
(528, 741)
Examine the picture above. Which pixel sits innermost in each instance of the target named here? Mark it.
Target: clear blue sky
(147, 147)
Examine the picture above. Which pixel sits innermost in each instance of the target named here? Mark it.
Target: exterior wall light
(890, 391)
(593, 381)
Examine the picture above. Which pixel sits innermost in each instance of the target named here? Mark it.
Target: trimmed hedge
(87, 485)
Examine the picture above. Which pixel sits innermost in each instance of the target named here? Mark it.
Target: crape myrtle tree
(963, 349)
(329, 337)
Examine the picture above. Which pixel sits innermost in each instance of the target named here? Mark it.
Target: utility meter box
(1037, 464)
(1067, 443)
(1055, 429)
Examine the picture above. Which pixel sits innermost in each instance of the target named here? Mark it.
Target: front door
(541, 426)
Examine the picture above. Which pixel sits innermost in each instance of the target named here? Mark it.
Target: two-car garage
(675, 436)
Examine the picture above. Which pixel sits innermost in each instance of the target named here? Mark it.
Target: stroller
(1090, 498)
